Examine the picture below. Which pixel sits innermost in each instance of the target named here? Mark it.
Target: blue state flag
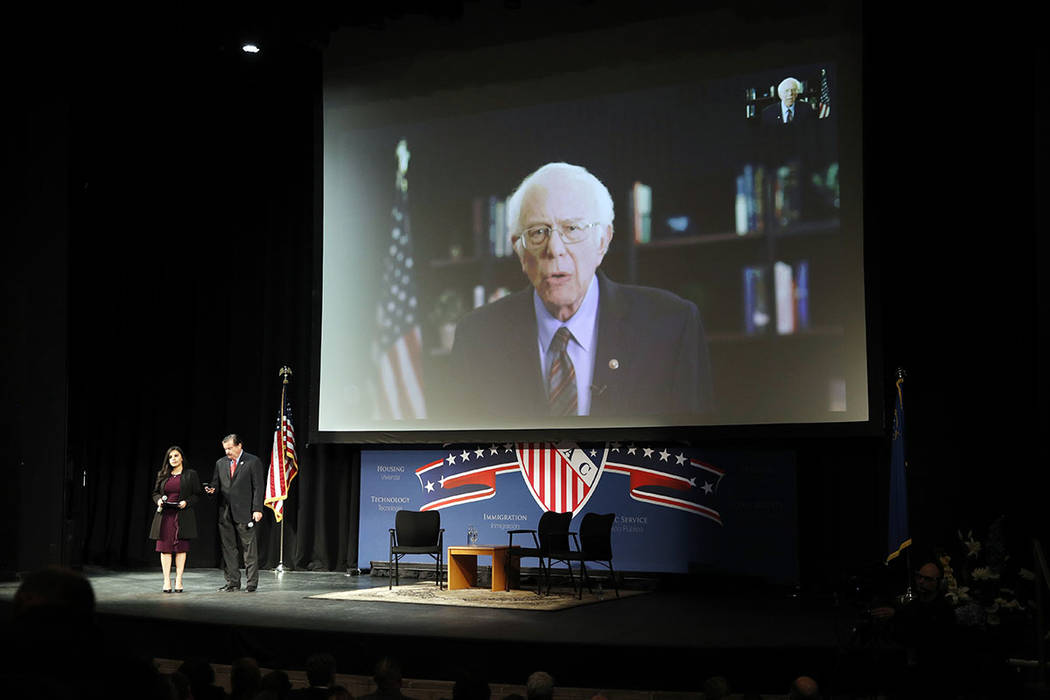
(898, 511)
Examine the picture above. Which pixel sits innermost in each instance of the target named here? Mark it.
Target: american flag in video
(399, 348)
(824, 108)
(562, 476)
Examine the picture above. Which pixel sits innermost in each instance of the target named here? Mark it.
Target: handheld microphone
(161, 502)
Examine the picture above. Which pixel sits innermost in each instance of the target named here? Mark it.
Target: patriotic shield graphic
(561, 477)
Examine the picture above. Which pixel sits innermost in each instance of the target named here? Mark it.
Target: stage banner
(678, 509)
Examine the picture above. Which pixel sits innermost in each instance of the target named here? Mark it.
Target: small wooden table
(463, 566)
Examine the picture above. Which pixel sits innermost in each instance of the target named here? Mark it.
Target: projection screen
(705, 249)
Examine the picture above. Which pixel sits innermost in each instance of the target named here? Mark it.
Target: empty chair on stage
(550, 544)
(594, 544)
(416, 533)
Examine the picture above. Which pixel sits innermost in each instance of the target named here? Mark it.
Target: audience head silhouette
(804, 687)
(540, 686)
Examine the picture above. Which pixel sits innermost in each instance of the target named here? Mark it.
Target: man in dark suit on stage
(576, 343)
(789, 110)
(240, 477)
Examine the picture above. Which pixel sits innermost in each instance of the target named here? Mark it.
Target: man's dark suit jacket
(246, 491)
(651, 358)
(772, 115)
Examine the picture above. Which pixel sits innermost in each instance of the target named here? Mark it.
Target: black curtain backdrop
(192, 275)
(192, 197)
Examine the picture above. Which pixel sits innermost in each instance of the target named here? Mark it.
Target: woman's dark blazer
(189, 491)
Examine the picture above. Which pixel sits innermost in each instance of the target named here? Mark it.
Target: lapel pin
(614, 364)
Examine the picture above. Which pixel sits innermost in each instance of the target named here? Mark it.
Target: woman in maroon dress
(174, 525)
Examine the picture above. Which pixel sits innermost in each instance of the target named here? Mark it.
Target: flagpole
(908, 595)
(284, 373)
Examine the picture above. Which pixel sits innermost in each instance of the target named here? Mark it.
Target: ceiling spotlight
(250, 48)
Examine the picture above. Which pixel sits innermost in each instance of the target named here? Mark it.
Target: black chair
(416, 532)
(551, 542)
(594, 544)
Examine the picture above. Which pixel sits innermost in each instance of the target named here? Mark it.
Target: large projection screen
(730, 273)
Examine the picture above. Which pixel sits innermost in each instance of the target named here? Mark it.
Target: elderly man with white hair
(575, 343)
(789, 110)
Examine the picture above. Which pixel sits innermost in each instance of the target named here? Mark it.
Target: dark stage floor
(668, 639)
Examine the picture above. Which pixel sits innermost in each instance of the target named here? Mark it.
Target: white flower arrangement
(984, 573)
(986, 587)
(973, 547)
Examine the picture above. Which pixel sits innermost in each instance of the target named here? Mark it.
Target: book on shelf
(750, 200)
(787, 195)
(791, 285)
(642, 212)
(784, 293)
(491, 231)
(740, 207)
(499, 243)
(802, 295)
(756, 300)
(776, 297)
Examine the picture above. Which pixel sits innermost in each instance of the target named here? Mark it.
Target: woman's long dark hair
(165, 467)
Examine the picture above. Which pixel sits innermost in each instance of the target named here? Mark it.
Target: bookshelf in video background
(751, 278)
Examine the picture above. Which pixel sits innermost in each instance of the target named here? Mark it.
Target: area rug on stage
(429, 594)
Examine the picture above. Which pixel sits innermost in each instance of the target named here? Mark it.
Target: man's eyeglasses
(535, 237)
(923, 577)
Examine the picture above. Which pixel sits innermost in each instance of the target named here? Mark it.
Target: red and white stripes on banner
(484, 479)
(551, 478)
(642, 478)
(401, 377)
(710, 469)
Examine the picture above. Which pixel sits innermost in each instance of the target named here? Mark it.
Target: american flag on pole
(399, 345)
(283, 463)
(824, 108)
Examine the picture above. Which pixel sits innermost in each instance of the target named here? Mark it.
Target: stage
(670, 638)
